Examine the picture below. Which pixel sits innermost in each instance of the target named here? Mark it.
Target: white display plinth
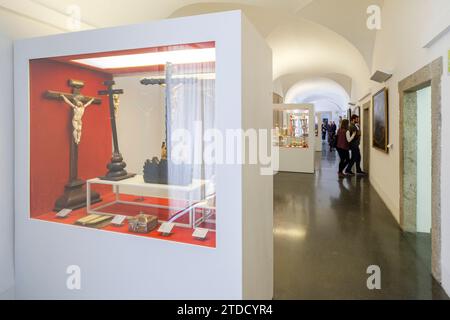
(300, 160)
(137, 186)
(241, 265)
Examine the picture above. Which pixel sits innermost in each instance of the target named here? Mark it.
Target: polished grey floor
(329, 231)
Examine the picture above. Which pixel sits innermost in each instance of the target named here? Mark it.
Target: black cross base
(116, 168)
(75, 197)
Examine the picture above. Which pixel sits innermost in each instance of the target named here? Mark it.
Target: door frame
(367, 137)
(429, 75)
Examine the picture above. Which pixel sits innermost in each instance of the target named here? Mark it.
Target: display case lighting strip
(151, 59)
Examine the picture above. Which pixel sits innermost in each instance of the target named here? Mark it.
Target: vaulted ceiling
(309, 38)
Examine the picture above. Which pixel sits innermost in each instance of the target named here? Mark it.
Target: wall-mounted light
(380, 76)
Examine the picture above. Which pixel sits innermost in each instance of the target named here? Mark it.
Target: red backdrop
(51, 131)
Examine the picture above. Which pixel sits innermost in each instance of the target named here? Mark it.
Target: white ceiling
(347, 18)
(308, 37)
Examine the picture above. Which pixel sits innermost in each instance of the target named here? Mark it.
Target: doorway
(420, 160)
(423, 206)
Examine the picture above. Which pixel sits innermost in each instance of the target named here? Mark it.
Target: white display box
(299, 160)
(122, 266)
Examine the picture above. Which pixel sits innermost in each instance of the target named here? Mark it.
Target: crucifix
(116, 168)
(166, 167)
(74, 196)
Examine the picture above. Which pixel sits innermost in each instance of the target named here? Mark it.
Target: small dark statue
(157, 171)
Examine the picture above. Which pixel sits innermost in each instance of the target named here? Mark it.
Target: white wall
(399, 48)
(257, 225)
(6, 169)
(424, 163)
(141, 122)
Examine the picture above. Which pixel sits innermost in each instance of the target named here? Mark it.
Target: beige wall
(406, 27)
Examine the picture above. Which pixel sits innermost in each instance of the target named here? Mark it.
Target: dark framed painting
(380, 116)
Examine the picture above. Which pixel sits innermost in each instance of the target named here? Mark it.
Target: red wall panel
(51, 131)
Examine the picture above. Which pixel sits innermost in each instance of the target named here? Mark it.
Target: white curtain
(190, 112)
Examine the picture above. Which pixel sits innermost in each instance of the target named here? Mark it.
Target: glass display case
(125, 188)
(119, 149)
(292, 128)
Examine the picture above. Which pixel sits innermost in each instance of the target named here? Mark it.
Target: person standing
(333, 127)
(354, 148)
(332, 135)
(324, 131)
(344, 138)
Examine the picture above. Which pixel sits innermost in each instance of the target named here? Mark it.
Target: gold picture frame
(380, 120)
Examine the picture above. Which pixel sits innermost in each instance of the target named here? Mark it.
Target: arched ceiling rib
(285, 82)
(325, 94)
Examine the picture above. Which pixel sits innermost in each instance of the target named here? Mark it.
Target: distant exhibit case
(111, 177)
(294, 126)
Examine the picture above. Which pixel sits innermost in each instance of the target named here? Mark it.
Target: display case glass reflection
(292, 128)
(107, 158)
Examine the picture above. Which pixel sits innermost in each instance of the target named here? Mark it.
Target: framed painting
(380, 116)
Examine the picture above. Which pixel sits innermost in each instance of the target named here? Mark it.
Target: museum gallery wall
(91, 115)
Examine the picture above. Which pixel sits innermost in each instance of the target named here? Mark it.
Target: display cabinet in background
(295, 136)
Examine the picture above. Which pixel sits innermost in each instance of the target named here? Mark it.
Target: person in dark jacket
(324, 131)
(331, 134)
(354, 148)
(344, 138)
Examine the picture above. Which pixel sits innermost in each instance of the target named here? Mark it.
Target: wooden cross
(74, 197)
(116, 168)
(111, 92)
(76, 86)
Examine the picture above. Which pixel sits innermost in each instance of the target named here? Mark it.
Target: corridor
(327, 232)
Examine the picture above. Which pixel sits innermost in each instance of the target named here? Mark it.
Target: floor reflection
(329, 231)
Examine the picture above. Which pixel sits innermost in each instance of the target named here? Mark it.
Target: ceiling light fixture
(151, 59)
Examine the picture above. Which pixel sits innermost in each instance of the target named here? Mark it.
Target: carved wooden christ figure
(78, 113)
(116, 105)
(74, 196)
